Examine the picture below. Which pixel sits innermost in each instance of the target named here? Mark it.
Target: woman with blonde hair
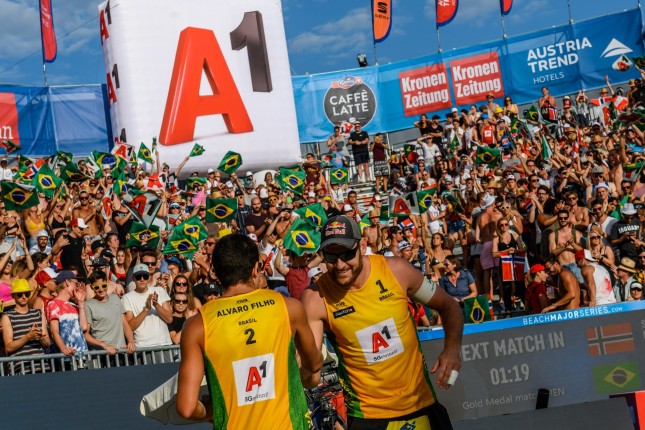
(508, 241)
(181, 285)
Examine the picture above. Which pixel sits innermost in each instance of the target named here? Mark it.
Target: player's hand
(445, 364)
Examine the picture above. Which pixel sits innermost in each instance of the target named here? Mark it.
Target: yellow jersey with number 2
(251, 365)
(381, 366)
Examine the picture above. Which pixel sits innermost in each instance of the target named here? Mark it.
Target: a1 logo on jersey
(254, 379)
(380, 341)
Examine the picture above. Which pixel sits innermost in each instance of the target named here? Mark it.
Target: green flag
(140, 234)
(454, 143)
(425, 199)
(10, 146)
(617, 377)
(364, 222)
(65, 157)
(293, 180)
(120, 184)
(144, 153)
(46, 181)
(220, 210)
(230, 163)
(191, 183)
(19, 196)
(339, 176)
(197, 150)
(302, 238)
(154, 145)
(313, 214)
(488, 156)
(532, 114)
(185, 237)
(454, 202)
(71, 173)
(547, 152)
(477, 309)
(108, 161)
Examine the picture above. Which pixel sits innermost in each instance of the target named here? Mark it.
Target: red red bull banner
(446, 11)
(505, 6)
(47, 31)
(381, 19)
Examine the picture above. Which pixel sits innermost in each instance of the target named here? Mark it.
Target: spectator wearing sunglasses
(179, 303)
(108, 327)
(147, 310)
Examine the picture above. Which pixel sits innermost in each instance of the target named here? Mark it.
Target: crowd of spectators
(565, 201)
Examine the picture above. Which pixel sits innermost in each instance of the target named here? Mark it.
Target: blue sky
(322, 35)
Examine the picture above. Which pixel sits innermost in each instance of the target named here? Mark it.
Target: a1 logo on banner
(405, 204)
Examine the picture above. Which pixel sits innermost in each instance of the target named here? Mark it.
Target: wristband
(425, 291)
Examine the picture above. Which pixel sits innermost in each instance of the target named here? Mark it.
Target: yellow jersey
(251, 365)
(381, 366)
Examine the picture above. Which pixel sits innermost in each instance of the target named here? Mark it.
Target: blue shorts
(455, 226)
(361, 157)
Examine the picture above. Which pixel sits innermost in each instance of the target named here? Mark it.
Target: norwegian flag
(512, 265)
(408, 224)
(33, 168)
(601, 101)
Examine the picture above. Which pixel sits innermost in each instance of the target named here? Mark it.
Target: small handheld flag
(301, 238)
(197, 150)
(230, 163)
(17, 197)
(144, 154)
(339, 176)
(220, 210)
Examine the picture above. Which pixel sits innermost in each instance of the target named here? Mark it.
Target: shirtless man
(484, 232)
(578, 215)
(568, 286)
(89, 214)
(285, 222)
(563, 244)
(373, 232)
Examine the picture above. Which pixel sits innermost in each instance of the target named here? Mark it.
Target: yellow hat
(20, 286)
(224, 232)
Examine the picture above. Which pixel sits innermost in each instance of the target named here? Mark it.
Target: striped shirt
(21, 323)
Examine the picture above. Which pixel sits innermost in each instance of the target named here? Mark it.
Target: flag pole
(45, 73)
(438, 41)
(504, 36)
(375, 58)
(569, 7)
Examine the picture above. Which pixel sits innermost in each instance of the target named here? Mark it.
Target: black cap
(100, 262)
(97, 244)
(340, 230)
(211, 288)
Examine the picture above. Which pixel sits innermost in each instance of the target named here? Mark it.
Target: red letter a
(253, 379)
(198, 50)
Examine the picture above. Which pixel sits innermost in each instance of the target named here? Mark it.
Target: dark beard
(355, 273)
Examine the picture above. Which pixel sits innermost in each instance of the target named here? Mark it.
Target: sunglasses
(597, 209)
(23, 294)
(84, 198)
(563, 219)
(181, 284)
(181, 302)
(572, 198)
(636, 289)
(343, 256)
(142, 276)
(595, 237)
(149, 264)
(100, 287)
(210, 243)
(535, 180)
(505, 224)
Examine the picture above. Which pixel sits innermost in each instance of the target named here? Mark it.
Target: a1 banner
(405, 204)
(216, 73)
(143, 206)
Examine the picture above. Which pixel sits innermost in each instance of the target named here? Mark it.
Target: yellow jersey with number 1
(251, 364)
(381, 366)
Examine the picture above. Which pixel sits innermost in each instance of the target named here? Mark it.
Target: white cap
(567, 125)
(229, 184)
(388, 254)
(487, 200)
(421, 158)
(377, 198)
(347, 208)
(404, 244)
(506, 119)
(264, 193)
(211, 171)
(311, 194)
(42, 233)
(249, 173)
(602, 185)
(314, 271)
(447, 178)
(454, 110)
(253, 236)
(628, 209)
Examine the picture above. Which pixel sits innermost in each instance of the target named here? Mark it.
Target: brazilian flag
(46, 181)
(197, 150)
(425, 199)
(339, 176)
(616, 377)
(17, 197)
(313, 214)
(302, 238)
(71, 173)
(120, 184)
(108, 161)
(230, 163)
(489, 156)
(180, 245)
(454, 202)
(191, 228)
(293, 180)
(65, 157)
(477, 309)
(193, 182)
(364, 223)
(144, 153)
(139, 234)
(220, 210)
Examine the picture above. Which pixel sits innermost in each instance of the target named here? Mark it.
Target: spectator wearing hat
(537, 290)
(410, 253)
(243, 211)
(6, 173)
(596, 279)
(359, 140)
(104, 265)
(625, 277)
(46, 288)
(24, 330)
(72, 246)
(635, 292)
(624, 233)
(108, 327)
(147, 310)
(312, 168)
(42, 243)
(67, 320)
(314, 274)
(372, 233)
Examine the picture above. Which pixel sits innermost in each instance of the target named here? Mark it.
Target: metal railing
(98, 359)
